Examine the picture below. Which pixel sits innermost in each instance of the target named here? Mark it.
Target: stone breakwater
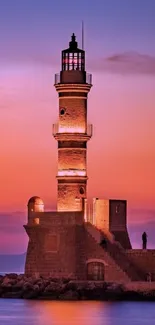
(20, 286)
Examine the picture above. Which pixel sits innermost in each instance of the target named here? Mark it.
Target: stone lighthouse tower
(64, 243)
(72, 131)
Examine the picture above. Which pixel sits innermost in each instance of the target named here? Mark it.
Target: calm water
(23, 312)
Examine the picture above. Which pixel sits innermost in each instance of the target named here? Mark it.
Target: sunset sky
(120, 53)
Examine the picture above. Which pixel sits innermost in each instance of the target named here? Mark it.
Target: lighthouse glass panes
(73, 60)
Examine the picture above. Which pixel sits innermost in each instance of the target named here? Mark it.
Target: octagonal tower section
(72, 131)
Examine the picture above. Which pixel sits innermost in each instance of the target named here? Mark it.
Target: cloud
(125, 63)
(120, 63)
(12, 223)
(13, 238)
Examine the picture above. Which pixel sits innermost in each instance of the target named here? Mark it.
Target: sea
(31, 312)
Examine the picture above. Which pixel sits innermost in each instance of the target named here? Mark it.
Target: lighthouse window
(95, 271)
(62, 111)
(81, 190)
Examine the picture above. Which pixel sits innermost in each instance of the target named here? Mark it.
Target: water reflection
(73, 313)
(26, 312)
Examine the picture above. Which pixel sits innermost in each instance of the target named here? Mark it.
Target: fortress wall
(145, 259)
(140, 286)
(51, 251)
(63, 251)
(55, 218)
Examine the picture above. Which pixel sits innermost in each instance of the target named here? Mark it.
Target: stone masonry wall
(55, 218)
(101, 211)
(145, 259)
(71, 158)
(75, 113)
(51, 247)
(67, 257)
(47, 258)
(68, 195)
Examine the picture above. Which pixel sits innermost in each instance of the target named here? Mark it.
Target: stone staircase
(117, 253)
(88, 247)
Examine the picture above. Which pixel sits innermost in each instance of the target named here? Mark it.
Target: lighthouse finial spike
(82, 35)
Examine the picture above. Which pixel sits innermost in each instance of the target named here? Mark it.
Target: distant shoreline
(8, 272)
(19, 286)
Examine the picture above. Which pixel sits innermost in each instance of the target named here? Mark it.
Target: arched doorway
(95, 270)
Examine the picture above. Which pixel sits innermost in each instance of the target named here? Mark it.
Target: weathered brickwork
(72, 155)
(51, 248)
(145, 259)
(57, 262)
(61, 244)
(75, 113)
(68, 196)
(88, 249)
(101, 214)
(71, 158)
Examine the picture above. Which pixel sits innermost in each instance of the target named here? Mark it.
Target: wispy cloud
(120, 63)
(125, 63)
(13, 238)
(12, 222)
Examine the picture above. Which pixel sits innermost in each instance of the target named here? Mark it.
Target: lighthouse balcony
(72, 133)
(73, 77)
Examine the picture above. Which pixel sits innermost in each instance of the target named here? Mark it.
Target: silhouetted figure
(144, 240)
(103, 243)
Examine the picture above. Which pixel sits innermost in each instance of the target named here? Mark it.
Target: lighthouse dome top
(73, 45)
(35, 200)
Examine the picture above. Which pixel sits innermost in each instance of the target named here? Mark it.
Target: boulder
(69, 295)
(54, 287)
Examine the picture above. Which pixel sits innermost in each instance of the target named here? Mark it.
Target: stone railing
(88, 79)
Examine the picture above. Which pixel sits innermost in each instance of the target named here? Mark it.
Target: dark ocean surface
(26, 312)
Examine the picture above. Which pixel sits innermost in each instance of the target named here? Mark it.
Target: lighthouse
(66, 243)
(72, 130)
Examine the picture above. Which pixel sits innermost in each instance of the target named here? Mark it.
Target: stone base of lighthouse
(64, 245)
